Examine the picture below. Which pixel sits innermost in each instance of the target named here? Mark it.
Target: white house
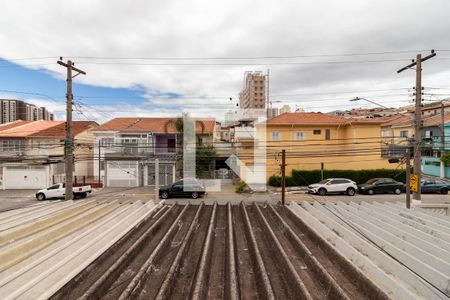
(32, 152)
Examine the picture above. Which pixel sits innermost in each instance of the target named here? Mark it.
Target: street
(11, 199)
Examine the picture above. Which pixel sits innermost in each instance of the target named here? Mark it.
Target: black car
(381, 185)
(184, 188)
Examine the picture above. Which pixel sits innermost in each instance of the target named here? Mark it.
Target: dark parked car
(184, 188)
(434, 186)
(381, 185)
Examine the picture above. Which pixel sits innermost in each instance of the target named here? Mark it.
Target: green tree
(445, 158)
(204, 158)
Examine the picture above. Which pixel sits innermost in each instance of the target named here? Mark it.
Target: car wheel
(164, 195)
(83, 195)
(322, 192)
(40, 197)
(194, 195)
(444, 191)
(370, 192)
(397, 191)
(351, 191)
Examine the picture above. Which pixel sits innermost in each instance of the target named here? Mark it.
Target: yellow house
(312, 139)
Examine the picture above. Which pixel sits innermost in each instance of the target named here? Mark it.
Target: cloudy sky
(158, 58)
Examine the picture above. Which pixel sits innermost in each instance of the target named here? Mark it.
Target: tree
(445, 158)
(204, 158)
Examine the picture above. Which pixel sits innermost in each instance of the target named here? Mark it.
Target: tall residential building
(253, 95)
(12, 110)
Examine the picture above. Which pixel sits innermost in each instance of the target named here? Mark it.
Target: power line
(222, 57)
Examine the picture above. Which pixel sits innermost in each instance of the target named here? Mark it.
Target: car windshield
(370, 181)
(324, 181)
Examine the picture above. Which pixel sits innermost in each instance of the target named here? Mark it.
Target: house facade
(313, 139)
(433, 132)
(396, 134)
(126, 150)
(32, 152)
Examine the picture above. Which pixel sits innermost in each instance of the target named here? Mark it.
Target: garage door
(25, 177)
(122, 174)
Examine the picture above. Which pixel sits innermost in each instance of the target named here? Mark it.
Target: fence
(93, 181)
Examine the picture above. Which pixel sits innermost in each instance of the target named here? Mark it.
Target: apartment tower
(253, 95)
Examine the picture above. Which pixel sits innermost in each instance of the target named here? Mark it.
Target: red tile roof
(316, 119)
(436, 120)
(43, 128)
(400, 121)
(148, 125)
(13, 124)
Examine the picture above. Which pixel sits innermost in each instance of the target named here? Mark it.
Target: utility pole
(418, 117)
(408, 173)
(68, 149)
(321, 170)
(283, 176)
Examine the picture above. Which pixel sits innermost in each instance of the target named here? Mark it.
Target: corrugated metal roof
(405, 252)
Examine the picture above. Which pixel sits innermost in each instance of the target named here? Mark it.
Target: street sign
(414, 183)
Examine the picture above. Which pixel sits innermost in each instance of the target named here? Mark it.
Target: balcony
(139, 147)
(245, 133)
(436, 143)
(394, 151)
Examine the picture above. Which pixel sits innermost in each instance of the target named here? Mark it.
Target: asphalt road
(11, 199)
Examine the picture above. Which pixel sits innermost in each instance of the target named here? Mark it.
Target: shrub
(241, 187)
(303, 177)
(446, 158)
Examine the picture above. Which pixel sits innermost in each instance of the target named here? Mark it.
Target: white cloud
(230, 28)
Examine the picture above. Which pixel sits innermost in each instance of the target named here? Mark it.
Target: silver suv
(334, 186)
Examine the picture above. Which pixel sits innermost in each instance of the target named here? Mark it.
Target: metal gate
(165, 174)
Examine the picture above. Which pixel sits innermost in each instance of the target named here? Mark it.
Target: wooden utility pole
(418, 117)
(283, 176)
(68, 149)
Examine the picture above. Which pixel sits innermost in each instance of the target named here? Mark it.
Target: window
(317, 132)
(339, 181)
(428, 134)
(107, 142)
(404, 133)
(433, 163)
(327, 134)
(299, 136)
(275, 136)
(385, 133)
(53, 187)
(12, 145)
